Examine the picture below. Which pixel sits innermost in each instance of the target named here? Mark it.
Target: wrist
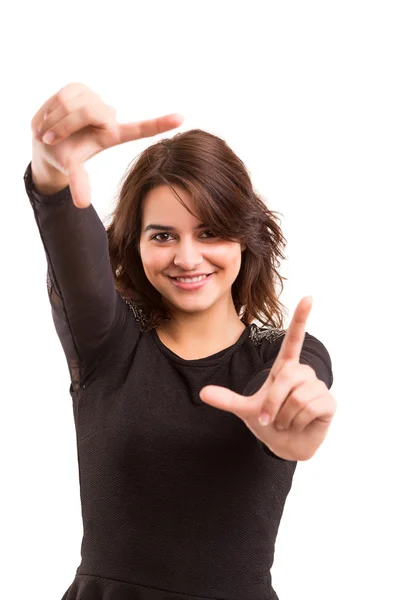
(46, 179)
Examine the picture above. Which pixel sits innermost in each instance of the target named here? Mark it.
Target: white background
(307, 94)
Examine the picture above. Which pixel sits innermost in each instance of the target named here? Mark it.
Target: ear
(243, 247)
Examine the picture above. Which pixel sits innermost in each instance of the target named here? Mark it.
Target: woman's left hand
(298, 405)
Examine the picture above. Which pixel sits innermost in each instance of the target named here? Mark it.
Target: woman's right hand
(83, 126)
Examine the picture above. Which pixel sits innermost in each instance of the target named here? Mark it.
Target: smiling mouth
(190, 285)
(195, 277)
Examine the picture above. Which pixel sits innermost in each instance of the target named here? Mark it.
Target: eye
(155, 237)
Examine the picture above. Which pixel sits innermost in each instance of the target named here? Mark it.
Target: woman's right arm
(87, 311)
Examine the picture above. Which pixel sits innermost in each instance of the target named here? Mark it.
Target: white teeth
(191, 280)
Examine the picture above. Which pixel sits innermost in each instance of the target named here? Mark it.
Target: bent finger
(302, 395)
(63, 95)
(315, 412)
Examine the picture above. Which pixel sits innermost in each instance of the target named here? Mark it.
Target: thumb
(80, 186)
(225, 399)
(141, 129)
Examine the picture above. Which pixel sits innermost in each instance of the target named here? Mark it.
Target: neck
(205, 330)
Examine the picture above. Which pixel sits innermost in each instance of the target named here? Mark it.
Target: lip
(189, 276)
(191, 286)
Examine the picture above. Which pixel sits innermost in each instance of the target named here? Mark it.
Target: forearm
(76, 247)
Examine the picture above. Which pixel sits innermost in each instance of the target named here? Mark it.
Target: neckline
(213, 359)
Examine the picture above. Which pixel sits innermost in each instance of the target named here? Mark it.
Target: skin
(204, 320)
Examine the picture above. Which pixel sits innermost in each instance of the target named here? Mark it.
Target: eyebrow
(169, 228)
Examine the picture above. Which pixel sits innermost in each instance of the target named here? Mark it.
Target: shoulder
(138, 313)
(314, 353)
(271, 339)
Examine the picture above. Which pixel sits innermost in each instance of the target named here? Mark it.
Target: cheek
(224, 254)
(235, 259)
(154, 265)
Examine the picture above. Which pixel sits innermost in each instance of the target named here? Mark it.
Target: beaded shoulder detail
(257, 334)
(138, 312)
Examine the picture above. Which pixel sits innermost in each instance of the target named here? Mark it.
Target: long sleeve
(87, 311)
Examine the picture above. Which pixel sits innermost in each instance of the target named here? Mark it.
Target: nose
(187, 256)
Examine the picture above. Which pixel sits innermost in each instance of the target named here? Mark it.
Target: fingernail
(264, 418)
(48, 137)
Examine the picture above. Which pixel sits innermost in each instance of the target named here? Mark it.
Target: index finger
(148, 128)
(294, 337)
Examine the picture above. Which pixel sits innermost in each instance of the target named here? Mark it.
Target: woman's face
(187, 249)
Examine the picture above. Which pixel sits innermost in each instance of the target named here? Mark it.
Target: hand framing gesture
(293, 409)
(75, 125)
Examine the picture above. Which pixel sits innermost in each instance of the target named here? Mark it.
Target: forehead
(162, 204)
(164, 193)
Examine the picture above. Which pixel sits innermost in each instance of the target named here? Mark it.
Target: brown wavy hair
(224, 198)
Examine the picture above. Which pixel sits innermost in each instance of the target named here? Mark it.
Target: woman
(190, 418)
